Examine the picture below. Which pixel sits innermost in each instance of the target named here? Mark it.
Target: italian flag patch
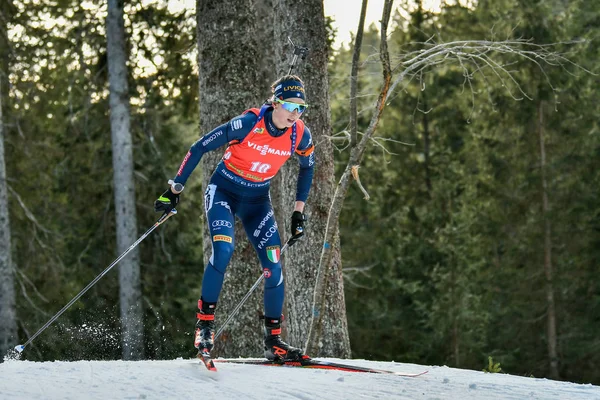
(273, 253)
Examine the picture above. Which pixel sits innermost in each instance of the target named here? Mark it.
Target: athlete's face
(282, 117)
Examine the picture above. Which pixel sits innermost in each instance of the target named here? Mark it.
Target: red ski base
(207, 361)
(315, 364)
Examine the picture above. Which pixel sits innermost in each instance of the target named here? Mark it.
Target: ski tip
(410, 375)
(19, 348)
(207, 361)
(210, 365)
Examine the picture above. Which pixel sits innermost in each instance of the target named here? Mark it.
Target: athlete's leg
(260, 225)
(220, 210)
(220, 221)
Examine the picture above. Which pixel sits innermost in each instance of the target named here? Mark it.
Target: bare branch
(381, 139)
(28, 213)
(352, 282)
(28, 281)
(350, 272)
(467, 76)
(354, 73)
(479, 53)
(357, 179)
(26, 296)
(343, 137)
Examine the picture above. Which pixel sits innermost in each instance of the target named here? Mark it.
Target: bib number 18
(260, 167)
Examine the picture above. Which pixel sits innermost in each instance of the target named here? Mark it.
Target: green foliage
(492, 367)
(60, 168)
(454, 270)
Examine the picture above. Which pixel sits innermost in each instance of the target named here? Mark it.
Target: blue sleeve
(236, 129)
(307, 166)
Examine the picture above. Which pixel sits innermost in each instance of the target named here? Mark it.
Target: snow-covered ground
(187, 379)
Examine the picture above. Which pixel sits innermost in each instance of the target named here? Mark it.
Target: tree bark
(304, 22)
(550, 304)
(124, 185)
(8, 315)
(232, 79)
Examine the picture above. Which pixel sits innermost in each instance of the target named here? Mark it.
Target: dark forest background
(446, 264)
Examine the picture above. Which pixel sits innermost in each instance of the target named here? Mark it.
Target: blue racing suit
(229, 195)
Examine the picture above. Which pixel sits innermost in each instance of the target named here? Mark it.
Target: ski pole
(290, 242)
(19, 348)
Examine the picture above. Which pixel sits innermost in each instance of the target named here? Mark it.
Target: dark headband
(290, 89)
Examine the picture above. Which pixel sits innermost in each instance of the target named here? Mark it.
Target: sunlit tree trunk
(230, 60)
(124, 185)
(304, 22)
(8, 322)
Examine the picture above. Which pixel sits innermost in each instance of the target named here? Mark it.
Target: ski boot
(204, 338)
(275, 348)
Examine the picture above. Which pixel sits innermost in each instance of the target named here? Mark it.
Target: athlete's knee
(273, 276)
(222, 252)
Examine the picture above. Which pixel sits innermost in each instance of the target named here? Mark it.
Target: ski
(207, 360)
(315, 364)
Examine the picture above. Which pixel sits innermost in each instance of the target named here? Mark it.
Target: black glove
(298, 220)
(167, 201)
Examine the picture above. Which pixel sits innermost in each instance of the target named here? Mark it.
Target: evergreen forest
(480, 237)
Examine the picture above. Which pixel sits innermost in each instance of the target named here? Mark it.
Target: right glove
(167, 201)
(298, 220)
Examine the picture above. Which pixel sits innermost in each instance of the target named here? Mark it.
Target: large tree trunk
(304, 22)
(8, 317)
(230, 61)
(551, 308)
(124, 185)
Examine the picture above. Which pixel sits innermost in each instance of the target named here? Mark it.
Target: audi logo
(221, 222)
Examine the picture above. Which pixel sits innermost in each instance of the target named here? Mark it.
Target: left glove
(167, 201)
(298, 220)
